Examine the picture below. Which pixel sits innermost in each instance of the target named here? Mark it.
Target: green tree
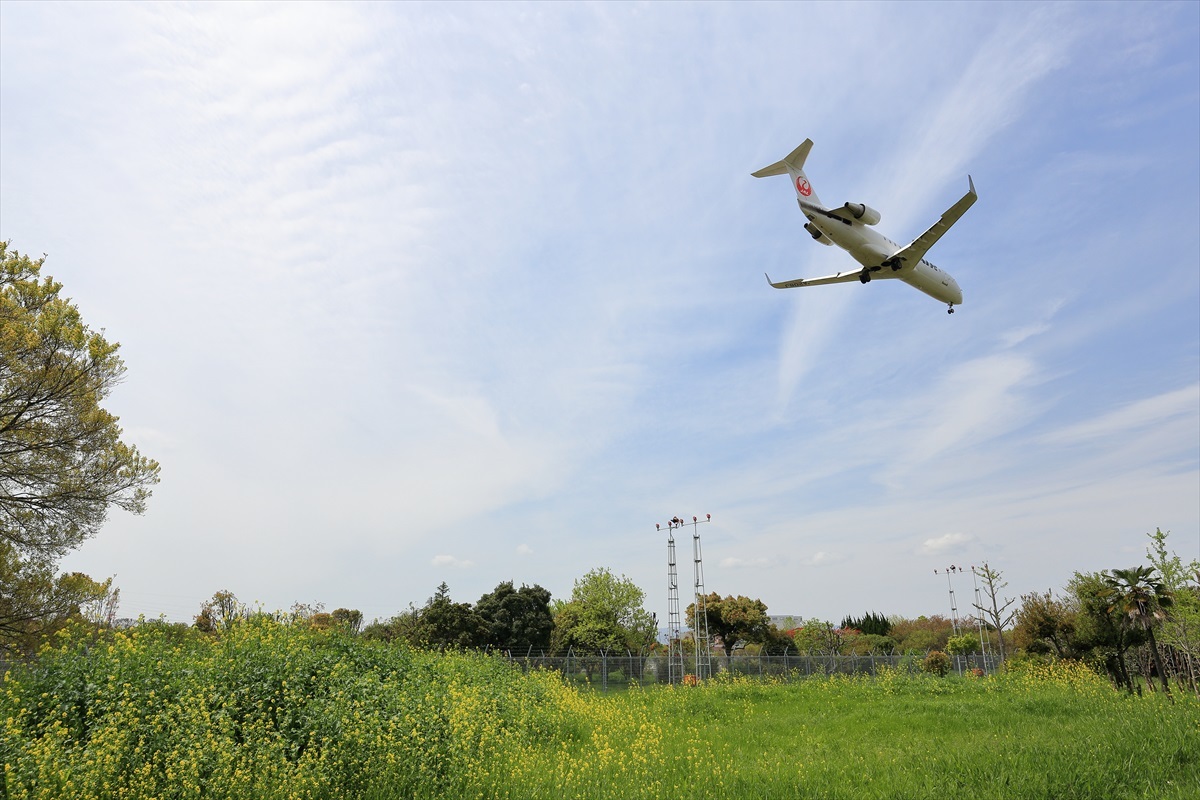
(1180, 631)
(922, 634)
(35, 602)
(734, 619)
(220, 613)
(1046, 624)
(348, 619)
(62, 461)
(869, 623)
(518, 620)
(1099, 637)
(818, 636)
(963, 645)
(443, 624)
(1140, 598)
(604, 613)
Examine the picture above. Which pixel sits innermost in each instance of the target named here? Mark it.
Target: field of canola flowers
(269, 710)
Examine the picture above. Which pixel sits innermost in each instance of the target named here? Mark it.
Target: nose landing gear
(950, 310)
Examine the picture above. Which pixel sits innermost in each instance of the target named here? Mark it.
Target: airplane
(851, 227)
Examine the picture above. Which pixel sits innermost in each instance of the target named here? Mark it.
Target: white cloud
(524, 550)
(946, 544)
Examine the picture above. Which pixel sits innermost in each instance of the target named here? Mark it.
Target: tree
(443, 624)
(869, 623)
(35, 603)
(1099, 635)
(604, 613)
(62, 461)
(818, 636)
(220, 613)
(518, 620)
(1140, 597)
(1045, 624)
(922, 634)
(348, 619)
(734, 619)
(963, 645)
(995, 614)
(1180, 631)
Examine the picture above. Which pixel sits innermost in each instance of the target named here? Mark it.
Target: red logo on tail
(803, 187)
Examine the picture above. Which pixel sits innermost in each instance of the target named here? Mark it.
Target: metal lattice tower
(674, 634)
(699, 622)
(953, 602)
(700, 618)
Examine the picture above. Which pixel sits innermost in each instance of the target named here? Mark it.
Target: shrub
(936, 663)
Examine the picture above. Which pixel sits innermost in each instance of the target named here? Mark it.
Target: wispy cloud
(431, 281)
(1133, 417)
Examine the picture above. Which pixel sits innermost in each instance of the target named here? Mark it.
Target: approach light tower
(948, 571)
(699, 621)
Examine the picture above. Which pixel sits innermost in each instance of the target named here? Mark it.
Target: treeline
(1139, 626)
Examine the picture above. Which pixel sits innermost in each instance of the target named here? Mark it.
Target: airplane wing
(841, 277)
(912, 254)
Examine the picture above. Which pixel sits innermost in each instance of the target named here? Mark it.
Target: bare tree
(995, 614)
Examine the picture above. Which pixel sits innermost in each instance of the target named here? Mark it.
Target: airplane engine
(863, 213)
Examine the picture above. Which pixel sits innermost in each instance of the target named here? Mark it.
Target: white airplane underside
(851, 227)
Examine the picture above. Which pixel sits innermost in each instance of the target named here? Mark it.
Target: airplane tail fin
(793, 165)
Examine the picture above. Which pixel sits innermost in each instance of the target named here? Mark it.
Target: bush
(936, 663)
(963, 645)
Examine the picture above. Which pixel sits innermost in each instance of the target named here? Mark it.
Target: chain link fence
(615, 671)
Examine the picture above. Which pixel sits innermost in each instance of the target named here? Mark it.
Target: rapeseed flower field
(272, 710)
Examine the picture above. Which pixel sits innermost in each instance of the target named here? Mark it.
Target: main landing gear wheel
(864, 276)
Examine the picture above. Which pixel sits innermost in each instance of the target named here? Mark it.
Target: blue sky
(471, 293)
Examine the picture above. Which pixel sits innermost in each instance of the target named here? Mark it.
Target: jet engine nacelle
(863, 213)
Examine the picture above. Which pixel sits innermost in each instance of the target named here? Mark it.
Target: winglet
(972, 184)
(795, 160)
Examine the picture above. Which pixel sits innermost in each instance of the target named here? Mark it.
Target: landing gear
(864, 276)
(950, 310)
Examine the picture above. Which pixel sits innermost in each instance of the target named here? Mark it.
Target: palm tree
(1140, 597)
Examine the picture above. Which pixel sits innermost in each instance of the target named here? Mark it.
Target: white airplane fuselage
(871, 249)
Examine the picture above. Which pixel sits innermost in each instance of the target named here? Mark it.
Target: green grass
(272, 711)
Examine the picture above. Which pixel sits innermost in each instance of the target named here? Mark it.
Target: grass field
(275, 711)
